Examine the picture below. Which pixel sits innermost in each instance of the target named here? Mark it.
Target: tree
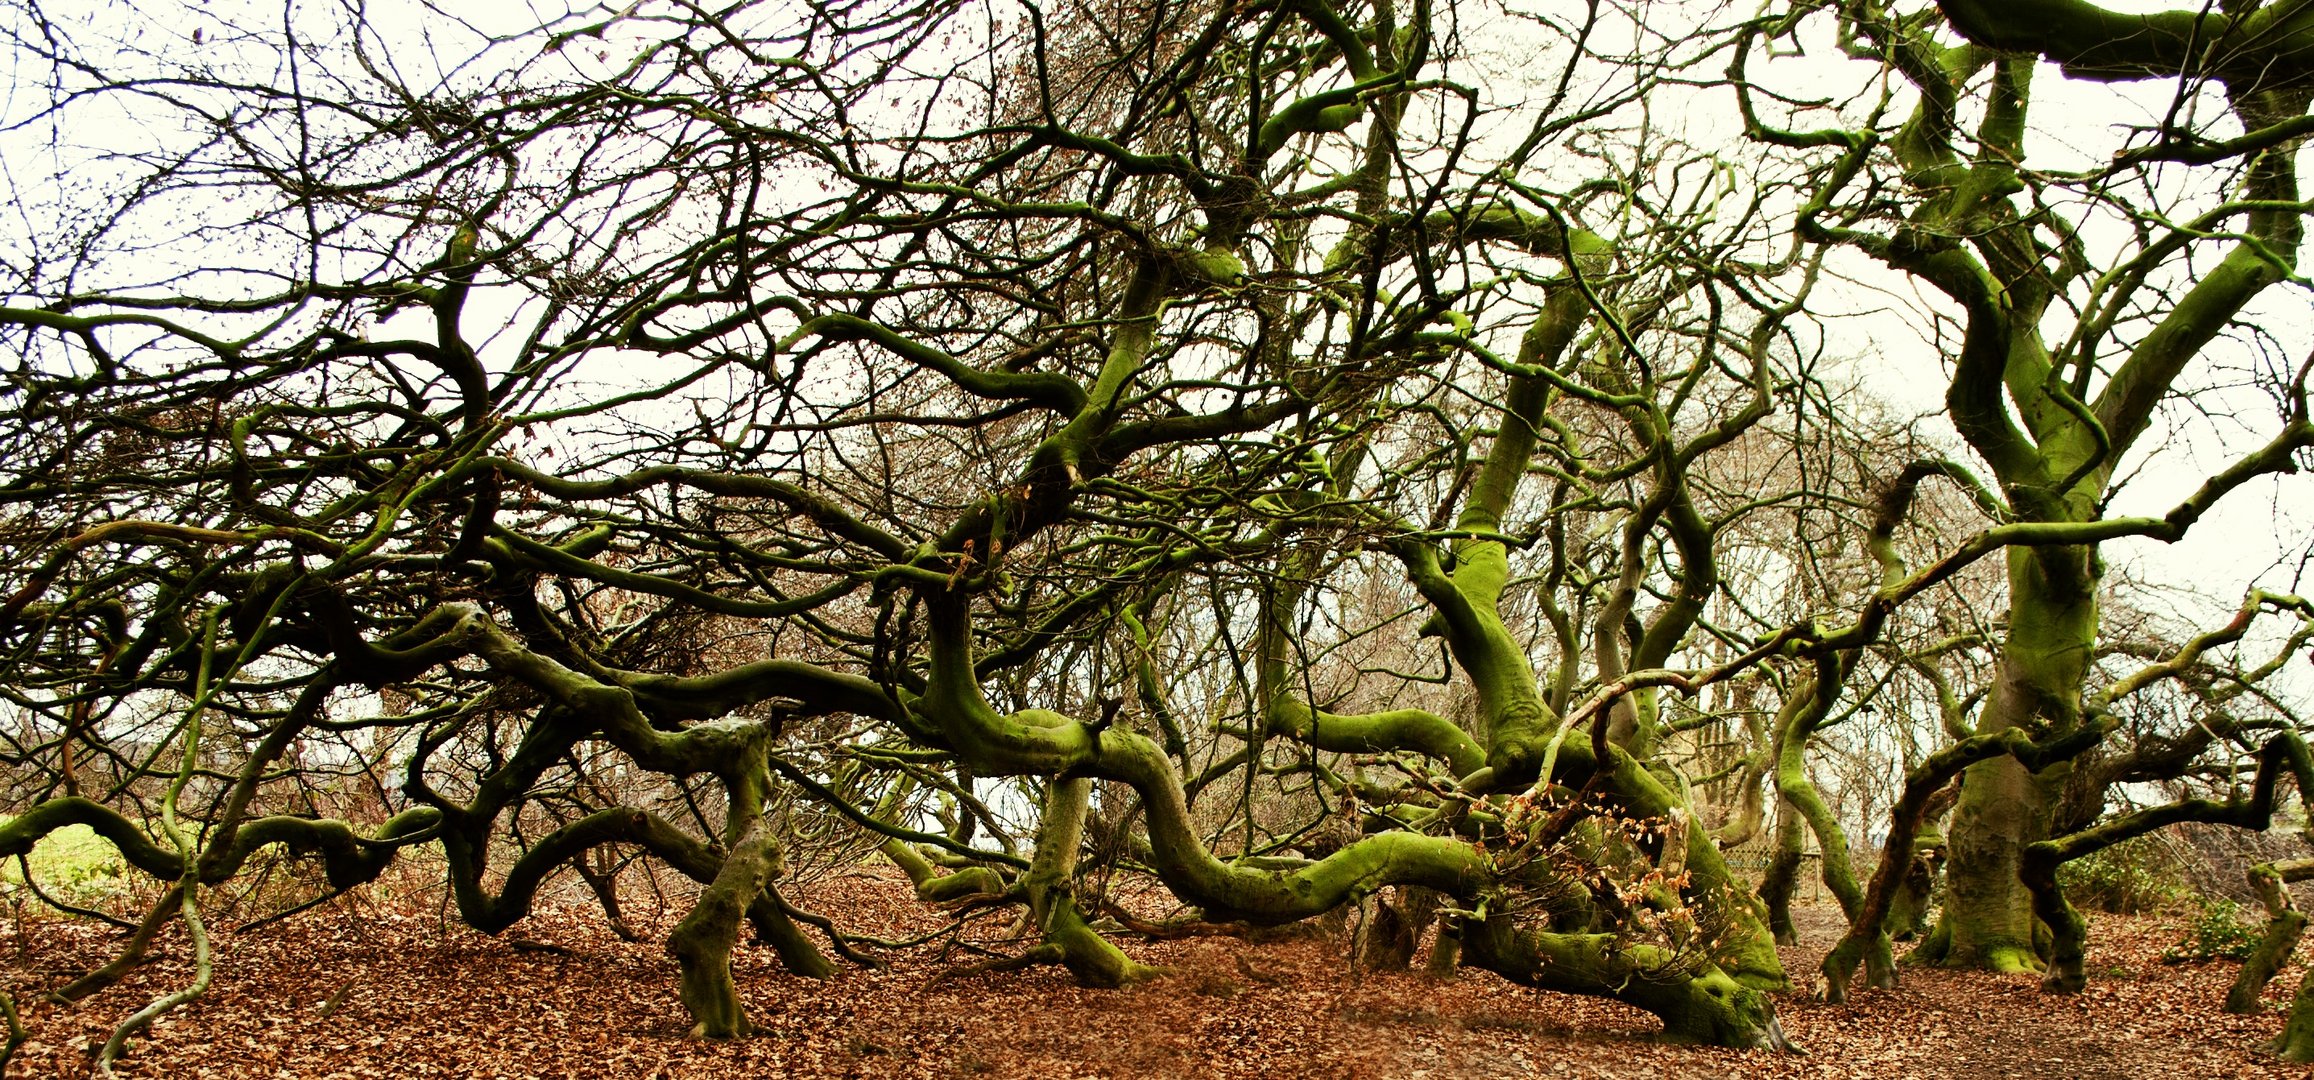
(2136, 277)
(756, 436)
(931, 381)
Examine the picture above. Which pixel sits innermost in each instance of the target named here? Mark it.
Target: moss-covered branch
(2284, 755)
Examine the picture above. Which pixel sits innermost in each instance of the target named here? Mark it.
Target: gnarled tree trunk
(1052, 900)
(1988, 919)
(702, 942)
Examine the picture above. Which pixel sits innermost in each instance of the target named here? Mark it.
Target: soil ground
(362, 990)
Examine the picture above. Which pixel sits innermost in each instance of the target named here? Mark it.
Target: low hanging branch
(2283, 755)
(1867, 932)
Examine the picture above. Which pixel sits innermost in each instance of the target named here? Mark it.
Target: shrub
(2133, 877)
(2217, 933)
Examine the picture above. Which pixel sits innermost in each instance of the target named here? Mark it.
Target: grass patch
(73, 864)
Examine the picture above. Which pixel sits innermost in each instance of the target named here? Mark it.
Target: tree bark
(1708, 1007)
(2282, 934)
(2285, 924)
(2297, 1041)
(1783, 874)
(1908, 908)
(1050, 882)
(1988, 916)
(1394, 929)
(796, 952)
(702, 942)
(934, 887)
(605, 886)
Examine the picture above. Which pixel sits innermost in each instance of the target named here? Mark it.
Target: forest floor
(359, 989)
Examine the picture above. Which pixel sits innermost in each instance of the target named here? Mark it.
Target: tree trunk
(1988, 914)
(1708, 1007)
(934, 887)
(2282, 934)
(605, 886)
(1783, 874)
(1050, 883)
(1870, 945)
(1394, 929)
(2285, 924)
(1445, 950)
(702, 942)
(1908, 909)
(796, 952)
(2297, 1041)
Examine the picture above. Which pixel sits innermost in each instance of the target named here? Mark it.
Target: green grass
(72, 864)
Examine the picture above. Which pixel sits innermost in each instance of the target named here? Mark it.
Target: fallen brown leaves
(414, 997)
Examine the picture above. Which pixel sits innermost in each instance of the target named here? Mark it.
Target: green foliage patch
(73, 864)
(2134, 877)
(2218, 933)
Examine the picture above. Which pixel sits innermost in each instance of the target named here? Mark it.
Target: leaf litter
(369, 989)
